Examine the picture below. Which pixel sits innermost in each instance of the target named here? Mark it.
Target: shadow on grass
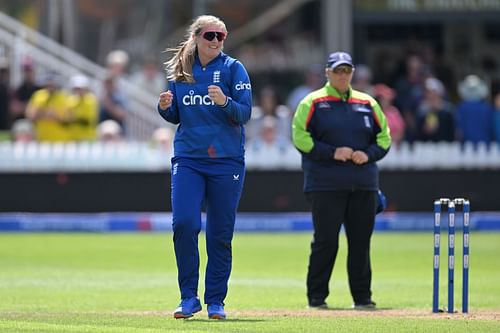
(356, 310)
(232, 320)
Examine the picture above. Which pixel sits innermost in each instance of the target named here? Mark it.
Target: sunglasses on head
(343, 69)
(210, 35)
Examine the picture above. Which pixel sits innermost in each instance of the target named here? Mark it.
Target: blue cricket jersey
(206, 129)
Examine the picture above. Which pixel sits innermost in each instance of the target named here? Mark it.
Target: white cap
(117, 57)
(22, 126)
(473, 88)
(109, 128)
(433, 84)
(79, 81)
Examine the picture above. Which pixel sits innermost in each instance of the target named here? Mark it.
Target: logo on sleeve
(243, 86)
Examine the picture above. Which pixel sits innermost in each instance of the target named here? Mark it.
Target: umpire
(340, 133)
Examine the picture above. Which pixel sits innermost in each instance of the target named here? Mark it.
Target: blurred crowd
(417, 102)
(44, 108)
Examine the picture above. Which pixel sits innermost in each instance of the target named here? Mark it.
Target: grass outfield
(127, 283)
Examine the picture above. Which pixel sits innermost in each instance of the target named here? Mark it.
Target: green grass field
(127, 283)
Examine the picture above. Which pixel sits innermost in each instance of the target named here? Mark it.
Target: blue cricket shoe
(216, 311)
(187, 308)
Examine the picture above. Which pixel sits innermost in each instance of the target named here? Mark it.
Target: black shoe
(365, 305)
(318, 304)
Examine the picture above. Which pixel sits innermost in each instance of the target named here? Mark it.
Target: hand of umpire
(165, 100)
(359, 157)
(342, 154)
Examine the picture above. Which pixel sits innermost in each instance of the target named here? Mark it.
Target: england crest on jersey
(216, 77)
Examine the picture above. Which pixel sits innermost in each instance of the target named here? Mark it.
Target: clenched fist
(165, 100)
(216, 95)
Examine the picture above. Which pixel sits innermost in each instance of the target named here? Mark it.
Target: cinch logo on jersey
(243, 86)
(193, 99)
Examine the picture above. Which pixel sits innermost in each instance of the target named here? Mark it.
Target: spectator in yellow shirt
(84, 110)
(47, 109)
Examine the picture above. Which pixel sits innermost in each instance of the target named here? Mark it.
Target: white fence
(82, 157)
(443, 155)
(145, 156)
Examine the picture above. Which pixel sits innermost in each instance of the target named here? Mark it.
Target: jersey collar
(334, 92)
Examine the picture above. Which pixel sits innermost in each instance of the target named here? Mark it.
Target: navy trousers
(216, 184)
(356, 211)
